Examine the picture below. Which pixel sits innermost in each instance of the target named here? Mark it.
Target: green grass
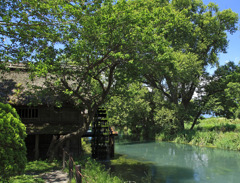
(33, 170)
(218, 124)
(93, 171)
(120, 169)
(214, 132)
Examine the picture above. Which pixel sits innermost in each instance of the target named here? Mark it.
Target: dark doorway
(44, 142)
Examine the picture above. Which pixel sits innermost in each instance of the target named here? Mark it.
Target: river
(178, 163)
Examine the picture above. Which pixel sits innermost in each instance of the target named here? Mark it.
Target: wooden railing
(71, 164)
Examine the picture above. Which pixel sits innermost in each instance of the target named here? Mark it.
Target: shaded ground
(46, 172)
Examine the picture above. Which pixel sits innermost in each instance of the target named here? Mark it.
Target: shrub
(204, 138)
(228, 140)
(12, 146)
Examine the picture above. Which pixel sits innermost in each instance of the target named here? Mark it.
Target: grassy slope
(216, 132)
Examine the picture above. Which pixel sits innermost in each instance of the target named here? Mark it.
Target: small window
(28, 113)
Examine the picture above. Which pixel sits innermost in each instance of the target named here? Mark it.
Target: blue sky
(233, 51)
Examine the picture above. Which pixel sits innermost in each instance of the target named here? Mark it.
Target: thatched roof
(17, 88)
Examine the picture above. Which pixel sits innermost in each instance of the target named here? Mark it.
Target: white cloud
(237, 59)
(226, 61)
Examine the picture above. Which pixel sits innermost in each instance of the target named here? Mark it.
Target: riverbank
(212, 132)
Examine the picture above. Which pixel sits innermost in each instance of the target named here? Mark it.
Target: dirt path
(55, 176)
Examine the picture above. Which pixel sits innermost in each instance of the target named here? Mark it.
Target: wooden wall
(65, 115)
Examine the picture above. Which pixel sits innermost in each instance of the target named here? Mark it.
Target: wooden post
(70, 167)
(64, 158)
(78, 176)
(36, 156)
(111, 141)
(79, 145)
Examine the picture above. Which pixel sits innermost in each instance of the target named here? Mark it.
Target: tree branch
(65, 84)
(106, 56)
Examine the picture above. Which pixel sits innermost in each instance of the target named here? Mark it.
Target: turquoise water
(177, 163)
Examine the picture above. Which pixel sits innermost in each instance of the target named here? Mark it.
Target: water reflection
(176, 163)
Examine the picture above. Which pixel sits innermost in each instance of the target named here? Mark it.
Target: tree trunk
(53, 141)
(57, 143)
(182, 125)
(195, 119)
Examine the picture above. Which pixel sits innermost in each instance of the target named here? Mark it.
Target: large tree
(86, 49)
(78, 47)
(196, 35)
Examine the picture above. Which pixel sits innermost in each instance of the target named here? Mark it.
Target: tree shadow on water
(130, 169)
(171, 174)
(148, 173)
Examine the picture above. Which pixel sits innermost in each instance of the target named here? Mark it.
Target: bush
(204, 138)
(12, 146)
(228, 140)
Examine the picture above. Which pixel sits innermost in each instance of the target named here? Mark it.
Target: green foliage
(204, 138)
(228, 140)
(224, 91)
(167, 120)
(97, 173)
(88, 50)
(17, 18)
(195, 43)
(131, 109)
(218, 124)
(25, 179)
(12, 145)
(94, 172)
(41, 166)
